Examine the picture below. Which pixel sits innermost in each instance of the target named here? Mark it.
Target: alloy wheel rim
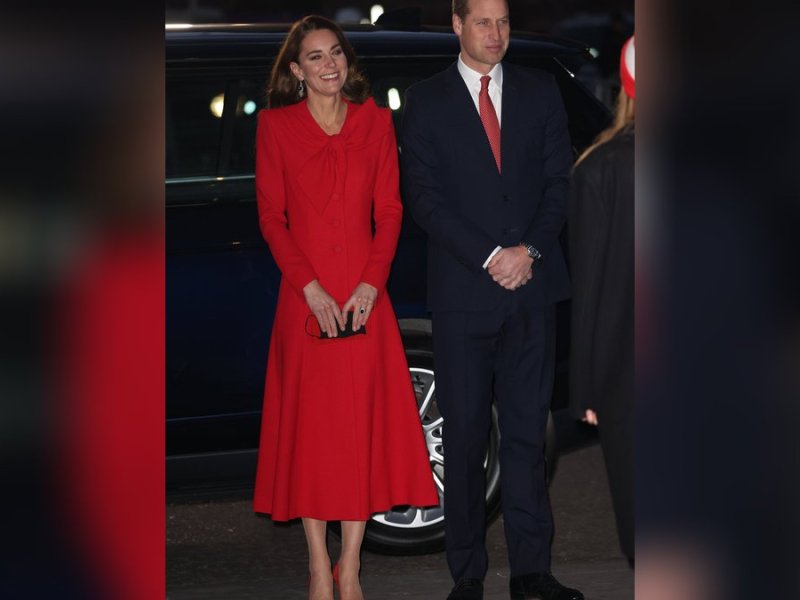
(411, 517)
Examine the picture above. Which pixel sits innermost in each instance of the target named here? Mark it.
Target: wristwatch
(532, 252)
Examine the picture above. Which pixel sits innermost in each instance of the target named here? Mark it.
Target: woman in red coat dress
(340, 434)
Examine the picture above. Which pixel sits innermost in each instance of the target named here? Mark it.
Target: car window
(193, 125)
(389, 80)
(586, 115)
(250, 96)
(202, 141)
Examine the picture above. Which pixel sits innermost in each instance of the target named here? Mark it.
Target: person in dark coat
(601, 252)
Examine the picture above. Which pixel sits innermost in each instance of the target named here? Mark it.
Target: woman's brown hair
(283, 85)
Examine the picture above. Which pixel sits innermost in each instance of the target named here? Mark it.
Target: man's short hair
(461, 8)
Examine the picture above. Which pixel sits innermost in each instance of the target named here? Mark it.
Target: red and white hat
(626, 68)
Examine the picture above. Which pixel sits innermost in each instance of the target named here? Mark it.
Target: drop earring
(301, 89)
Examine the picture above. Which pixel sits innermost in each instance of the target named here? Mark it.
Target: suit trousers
(509, 351)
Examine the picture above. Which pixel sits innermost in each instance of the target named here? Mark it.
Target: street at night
(221, 549)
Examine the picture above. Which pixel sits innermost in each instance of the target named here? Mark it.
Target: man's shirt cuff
(495, 251)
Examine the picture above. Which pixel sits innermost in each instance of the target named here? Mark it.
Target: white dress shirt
(473, 81)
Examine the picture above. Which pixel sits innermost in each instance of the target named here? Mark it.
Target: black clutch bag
(312, 328)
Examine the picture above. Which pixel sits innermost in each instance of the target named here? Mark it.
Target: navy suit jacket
(453, 189)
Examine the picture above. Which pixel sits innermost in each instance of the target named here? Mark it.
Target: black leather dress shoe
(542, 586)
(467, 589)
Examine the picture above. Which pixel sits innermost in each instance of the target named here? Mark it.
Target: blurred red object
(110, 415)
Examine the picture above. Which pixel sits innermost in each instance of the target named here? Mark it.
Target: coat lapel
(467, 120)
(512, 107)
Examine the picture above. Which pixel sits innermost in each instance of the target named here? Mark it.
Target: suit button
(506, 198)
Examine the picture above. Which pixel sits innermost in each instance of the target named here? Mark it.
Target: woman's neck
(329, 112)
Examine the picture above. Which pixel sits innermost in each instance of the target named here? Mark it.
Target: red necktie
(489, 119)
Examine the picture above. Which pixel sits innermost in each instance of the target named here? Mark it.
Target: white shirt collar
(473, 79)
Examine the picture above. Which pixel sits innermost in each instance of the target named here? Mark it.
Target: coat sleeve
(588, 232)
(425, 195)
(551, 214)
(387, 211)
(272, 218)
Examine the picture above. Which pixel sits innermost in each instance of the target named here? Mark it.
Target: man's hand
(511, 267)
(590, 417)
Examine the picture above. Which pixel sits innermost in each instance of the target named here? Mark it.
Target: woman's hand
(361, 302)
(324, 308)
(590, 417)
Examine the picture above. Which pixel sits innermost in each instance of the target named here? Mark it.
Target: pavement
(221, 550)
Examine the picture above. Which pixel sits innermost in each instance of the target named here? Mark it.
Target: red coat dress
(340, 432)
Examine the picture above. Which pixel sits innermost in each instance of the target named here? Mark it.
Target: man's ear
(457, 25)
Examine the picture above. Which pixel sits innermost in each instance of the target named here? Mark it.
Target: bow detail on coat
(324, 174)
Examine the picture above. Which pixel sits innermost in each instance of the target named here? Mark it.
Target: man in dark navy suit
(486, 157)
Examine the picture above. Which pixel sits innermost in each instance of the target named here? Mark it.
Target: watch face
(532, 252)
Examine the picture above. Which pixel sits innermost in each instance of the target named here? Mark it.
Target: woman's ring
(362, 310)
